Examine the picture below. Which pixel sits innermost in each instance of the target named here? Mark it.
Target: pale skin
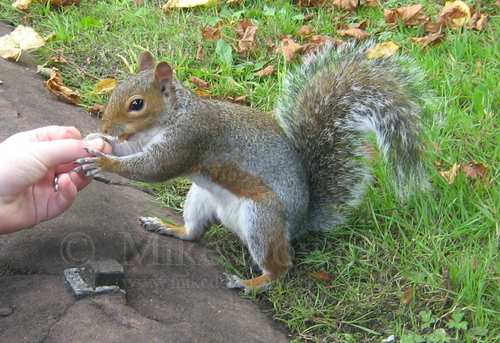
(36, 178)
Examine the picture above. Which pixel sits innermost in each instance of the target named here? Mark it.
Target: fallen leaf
(321, 276)
(138, 2)
(317, 41)
(308, 17)
(451, 174)
(246, 31)
(96, 110)
(348, 5)
(211, 32)
(384, 49)
(265, 71)
(59, 59)
(22, 39)
(412, 15)
(475, 170)
(22, 5)
(407, 296)
(105, 86)
(56, 86)
(372, 3)
(430, 39)
(199, 82)
(202, 92)
(455, 14)
(305, 31)
(310, 3)
(188, 3)
(200, 54)
(242, 99)
(356, 33)
(270, 44)
(235, 2)
(433, 27)
(479, 21)
(63, 3)
(290, 48)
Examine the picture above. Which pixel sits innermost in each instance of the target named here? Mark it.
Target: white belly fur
(229, 209)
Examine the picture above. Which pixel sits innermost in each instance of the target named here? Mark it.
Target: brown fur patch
(277, 260)
(257, 282)
(239, 182)
(109, 164)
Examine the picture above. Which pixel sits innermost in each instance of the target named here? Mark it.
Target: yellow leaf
(23, 38)
(188, 3)
(384, 49)
(451, 174)
(455, 14)
(105, 86)
(22, 5)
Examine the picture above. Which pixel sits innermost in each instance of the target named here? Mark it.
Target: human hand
(36, 178)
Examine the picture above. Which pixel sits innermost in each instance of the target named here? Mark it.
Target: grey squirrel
(267, 178)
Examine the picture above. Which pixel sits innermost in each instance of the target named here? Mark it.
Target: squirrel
(268, 178)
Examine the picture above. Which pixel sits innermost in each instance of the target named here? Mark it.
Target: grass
(410, 269)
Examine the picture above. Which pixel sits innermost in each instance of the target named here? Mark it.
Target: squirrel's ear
(146, 61)
(163, 73)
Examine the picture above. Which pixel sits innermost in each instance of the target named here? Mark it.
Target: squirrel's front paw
(92, 166)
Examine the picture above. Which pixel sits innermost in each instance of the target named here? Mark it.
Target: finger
(60, 201)
(79, 180)
(47, 133)
(54, 153)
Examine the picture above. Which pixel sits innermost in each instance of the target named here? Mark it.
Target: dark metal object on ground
(96, 277)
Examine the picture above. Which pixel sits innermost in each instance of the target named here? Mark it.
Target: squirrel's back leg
(265, 235)
(199, 214)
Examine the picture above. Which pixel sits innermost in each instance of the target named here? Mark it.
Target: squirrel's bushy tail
(327, 107)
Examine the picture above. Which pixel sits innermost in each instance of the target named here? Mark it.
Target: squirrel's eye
(136, 105)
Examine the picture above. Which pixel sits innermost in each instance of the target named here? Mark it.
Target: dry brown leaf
(290, 48)
(105, 86)
(308, 16)
(310, 3)
(348, 5)
(59, 59)
(246, 31)
(317, 41)
(305, 31)
(451, 174)
(321, 276)
(270, 44)
(475, 170)
(372, 3)
(410, 15)
(187, 3)
(356, 33)
(265, 71)
(63, 3)
(455, 14)
(96, 110)
(138, 2)
(433, 27)
(430, 39)
(56, 86)
(407, 296)
(211, 32)
(22, 5)
(385, 49)
(22, 39)
(199, 82)
(479, 21)
(200, 54)
(235, 2)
